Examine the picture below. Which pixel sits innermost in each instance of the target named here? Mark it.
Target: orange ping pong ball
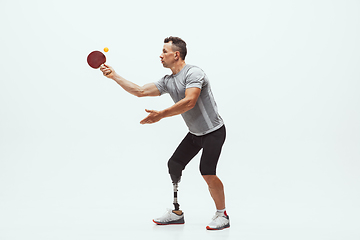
(106, 49)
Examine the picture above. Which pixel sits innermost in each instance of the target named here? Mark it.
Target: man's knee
(213, 181)
(209, 178)
(175, 170)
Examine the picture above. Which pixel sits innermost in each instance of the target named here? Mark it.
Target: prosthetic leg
(175, 216)
(175, 170)
(175, 180)
(176, 204)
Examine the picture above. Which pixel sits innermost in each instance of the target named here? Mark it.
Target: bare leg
(216, 189)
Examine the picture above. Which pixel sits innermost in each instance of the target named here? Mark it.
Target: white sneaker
(219, 222)
(170, 217)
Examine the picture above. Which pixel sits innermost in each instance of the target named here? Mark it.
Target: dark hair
(177, 45)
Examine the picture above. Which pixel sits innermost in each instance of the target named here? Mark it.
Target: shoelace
(167, 214)
(218, 221)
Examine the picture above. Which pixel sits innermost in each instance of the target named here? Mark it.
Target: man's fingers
(145, 120)
(151, 118)
(106, 72)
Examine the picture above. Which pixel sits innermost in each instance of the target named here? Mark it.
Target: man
(189, 87)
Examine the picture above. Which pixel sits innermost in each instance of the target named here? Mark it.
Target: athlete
(189, 87)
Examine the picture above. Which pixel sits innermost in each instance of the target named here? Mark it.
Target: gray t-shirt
(204, 117)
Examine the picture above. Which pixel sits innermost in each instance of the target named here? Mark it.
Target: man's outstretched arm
(149, 89)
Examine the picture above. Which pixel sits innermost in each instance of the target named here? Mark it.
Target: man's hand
(107, 71)
(153, 117)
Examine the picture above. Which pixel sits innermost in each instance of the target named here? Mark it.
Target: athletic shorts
(210, 143)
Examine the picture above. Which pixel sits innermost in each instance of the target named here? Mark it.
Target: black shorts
(211, 144)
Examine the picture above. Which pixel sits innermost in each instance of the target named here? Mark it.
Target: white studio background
(76, 164)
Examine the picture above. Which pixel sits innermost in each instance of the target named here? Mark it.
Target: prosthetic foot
(175, 216)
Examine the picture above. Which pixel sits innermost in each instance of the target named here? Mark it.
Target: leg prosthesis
(175, 170)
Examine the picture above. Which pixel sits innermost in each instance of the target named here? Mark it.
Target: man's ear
(177, 55)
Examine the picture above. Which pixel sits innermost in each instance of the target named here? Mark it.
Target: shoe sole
(209, 228)
(170, 223)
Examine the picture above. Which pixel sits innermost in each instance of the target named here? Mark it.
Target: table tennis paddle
(96, 59)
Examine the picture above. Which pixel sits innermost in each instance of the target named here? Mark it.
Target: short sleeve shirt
(204, 117)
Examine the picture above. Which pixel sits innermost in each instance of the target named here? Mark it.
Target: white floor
(135, 224)
(91, 209)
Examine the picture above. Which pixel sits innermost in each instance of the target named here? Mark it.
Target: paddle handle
(103, 65)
